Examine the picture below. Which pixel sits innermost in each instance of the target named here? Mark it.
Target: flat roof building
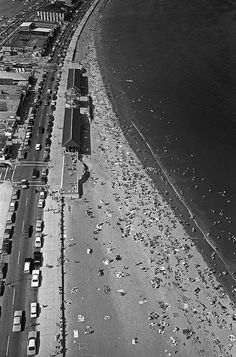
(71, 129)
(14, 78)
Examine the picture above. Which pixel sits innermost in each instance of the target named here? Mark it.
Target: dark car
(2, 287)
(8, 233)
(35, 173)
(3, 270)
(6, 246)
(37, 259)
(28, 231)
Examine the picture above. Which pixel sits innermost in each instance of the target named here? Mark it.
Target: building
(71, 129)
(14, 78)
(26, 26)
(73, 91)
(53, 12)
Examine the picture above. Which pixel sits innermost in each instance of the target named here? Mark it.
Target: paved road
(20, 294)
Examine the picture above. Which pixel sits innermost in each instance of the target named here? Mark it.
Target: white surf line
(13, 297)
(18, 259)
(168, 178)
(8, 340)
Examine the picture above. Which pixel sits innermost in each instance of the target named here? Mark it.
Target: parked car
(44, 172)
(32, 341)
(35, 173)
(28, 265)
(35, 278)
(6, 246)
(8, 232)
(39, 225)
(33, 310)
(13, 206)
(3, 270)
(42, 193)
(24, 184)
(41, 203)
(2, 287)
(38, 240)
(37, 260)
(16, 193)
(11, 218)
(17, 321)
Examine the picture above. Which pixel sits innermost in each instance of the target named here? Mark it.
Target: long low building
(71, 129)
(14, 78)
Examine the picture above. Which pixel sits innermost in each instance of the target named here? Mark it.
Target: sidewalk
(49, 298)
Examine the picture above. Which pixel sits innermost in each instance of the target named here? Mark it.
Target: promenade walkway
(49, 297)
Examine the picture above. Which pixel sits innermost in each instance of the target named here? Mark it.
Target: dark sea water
(174, 61)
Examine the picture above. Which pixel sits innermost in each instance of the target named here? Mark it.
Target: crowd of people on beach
(175, 265)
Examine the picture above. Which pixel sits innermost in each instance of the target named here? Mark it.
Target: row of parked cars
(8, 233)
(18, 322)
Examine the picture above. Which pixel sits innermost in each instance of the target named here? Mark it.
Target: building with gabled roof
(71, 129)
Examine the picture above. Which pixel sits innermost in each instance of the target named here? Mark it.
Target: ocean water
(174, 62)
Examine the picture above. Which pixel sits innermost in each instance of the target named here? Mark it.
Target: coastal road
(19, 294)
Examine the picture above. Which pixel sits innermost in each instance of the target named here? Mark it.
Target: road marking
(18, 259)
(23, 226)
(13, 173)
(63, 163)
(13, 297)
(8, 340)
(26, 201)
(6, 173)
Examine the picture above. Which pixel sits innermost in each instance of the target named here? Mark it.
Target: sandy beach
(136, 284)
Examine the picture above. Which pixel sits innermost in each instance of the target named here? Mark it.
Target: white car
(42, 194)
(37, 147)
(24, 183)
(33, 310)
(28, 135)
(41, 203)
(35, 278)
(31, 346)
(39, 225)
(38, 240)
(17, 321)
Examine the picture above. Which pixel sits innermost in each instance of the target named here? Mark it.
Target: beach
(135, 281)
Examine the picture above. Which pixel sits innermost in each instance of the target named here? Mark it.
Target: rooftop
(71, 128)
(23, 76)
(42, 29)
(57, 7)
(26, 24)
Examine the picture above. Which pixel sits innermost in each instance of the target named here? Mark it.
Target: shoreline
(162, 295)
(155, 170)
